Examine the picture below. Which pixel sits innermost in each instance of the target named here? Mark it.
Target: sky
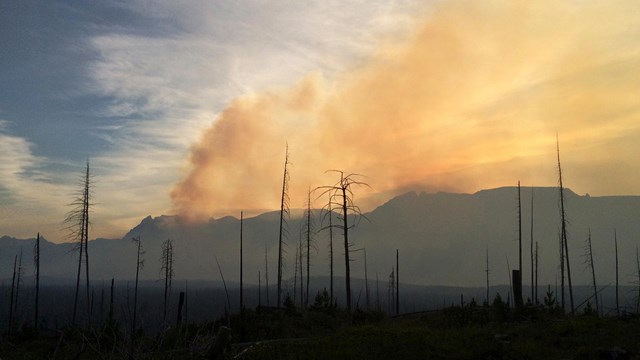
(187, 107)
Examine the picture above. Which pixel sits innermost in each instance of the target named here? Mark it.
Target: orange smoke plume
(472, 99)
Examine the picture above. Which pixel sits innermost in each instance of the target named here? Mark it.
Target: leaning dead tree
(588, 261)
(341, 198)
(166, 272)
(284, 214)
(563, 226)
(77, 224)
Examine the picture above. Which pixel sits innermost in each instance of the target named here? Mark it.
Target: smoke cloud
(473, 98)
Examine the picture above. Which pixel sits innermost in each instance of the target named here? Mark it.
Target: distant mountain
(442, 239)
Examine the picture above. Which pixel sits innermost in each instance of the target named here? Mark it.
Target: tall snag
(615, 240)
(166, 273)
(533, 293)
(241, 293)
(563, 222)
(341, 196)
(486, 270)
(588, 255)
(284, 212)
(13, 286)
(77, 224)
(309, 234)
(139, 265)
(36, 263)
(517, 274)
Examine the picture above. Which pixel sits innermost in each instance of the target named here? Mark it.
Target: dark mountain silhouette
(442, 239)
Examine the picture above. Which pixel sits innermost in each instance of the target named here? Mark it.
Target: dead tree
(18, 281)
(259, 289)
(536, 278)
(77, 224)
(487, 272)
(266, 272)
(330, 212)
(300, 262)
(615, 240)
(377, 293)
(517, 274)
(533, 294)
(341, 195)
(563, 222)
(391, 292)
(284, 213)
(11, 302)
(638, 281)
(309, 234)
(241, 294)
(397, 283)
(36, 263)
(295, 276)
(366, 279)
(139, 264)
(588, 255)
(166, 273)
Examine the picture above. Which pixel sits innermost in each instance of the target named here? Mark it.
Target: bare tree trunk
(13, 286)
(638, 281)
(487, 271)
(86, 241)
(295, 276)
(397, 283)
(300, 257)
(536, 278)
(36, 259)
(615, 240)
(18, 279)
(593, 272)
(517, 275)
(377, 292)
(241, 289)
(75, 301)
(283, 211)
(564, 230)
(135, 293)
(309, 229)
(533, 301)
(366, 280)
(259, 289)
(331, 252)
(266, 273)
(345, 225)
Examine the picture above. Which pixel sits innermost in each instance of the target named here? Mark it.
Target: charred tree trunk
(11, 302)
(347, 271)
(139, 264)
(564, 231)
(593, 271)
(533, 293)
(266, 273)
(331, 254)
(397, 283)
(284, 210)
(615, 240)
(241, 289)
(36, 258)
(366, 280)
(487, 272)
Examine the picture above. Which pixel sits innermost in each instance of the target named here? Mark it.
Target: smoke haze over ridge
(472, 99)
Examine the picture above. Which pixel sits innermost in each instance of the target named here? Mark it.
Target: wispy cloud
(169, 84)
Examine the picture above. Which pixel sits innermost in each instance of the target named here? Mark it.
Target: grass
(326, 333)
